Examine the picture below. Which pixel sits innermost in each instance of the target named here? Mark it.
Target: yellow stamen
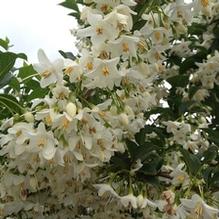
(198, 210)
(66, 123)
(41, 142)
(125, 47)
(99, 31)
(46, 74)
(18, 133)
(105, 71)
(157, 35)
(157, 55)
(205, 3)
(48, 120)
(89, 66)
(104, 55)
(69, 70)
(181, 178)
(61, 96)
(104, 8)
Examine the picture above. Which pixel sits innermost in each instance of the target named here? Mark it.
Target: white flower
(50, 72)
(125, 45)
(61, 92)
(43, 142)
(143, 202)
(205, 6)
(73, 70)
(99, 31)
(103, 188)
(160, 36)
(180, 177)
(121, 18)
(197, 208)
(180, 11)
(105, 74)
(129, 201)
(129, 2)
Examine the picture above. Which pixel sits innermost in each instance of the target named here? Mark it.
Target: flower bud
(124, 119)
(28, 116)
(71, 109)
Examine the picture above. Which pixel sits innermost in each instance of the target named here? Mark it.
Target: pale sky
(34, 24)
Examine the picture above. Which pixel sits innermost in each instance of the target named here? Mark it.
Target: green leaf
(120, 162)
(5, 43)
(14, 83)
(5, 80)
(67, 55)
(37, 93)
(152, 165)
(210, 154)
(27, 72)
(7, 61)
(213, 135)
(192, 162)
(179, 80)
(11, 103)
(71, 4)
(197, 29)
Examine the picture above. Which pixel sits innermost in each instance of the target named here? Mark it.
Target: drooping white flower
(103, 188)
(125, 46)
(42, 142)
(197, 208)
(99, 31)
(180, 177)
(121, 18)
(129, 201)
(180, 11)
(50, 72)
(105, 75)
(143, 202)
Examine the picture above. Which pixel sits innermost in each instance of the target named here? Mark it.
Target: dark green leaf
(67, 55)
(11, 103)
(192, 162)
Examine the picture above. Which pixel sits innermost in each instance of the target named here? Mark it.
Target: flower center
(99, 30)
(204, 3)
(89, 66)
(46, 74)
(157, 35)
(125, 47)
(104, 8)
(66, 123)
(61, 96)
(68, 70)
(198, 209)
(41, 142)
(48, 120)
(181, 178)
(105, 71)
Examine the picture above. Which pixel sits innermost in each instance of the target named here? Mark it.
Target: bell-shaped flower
(129, 201)
(103, 188)
(105, 75)
(42, 142)
(50, 72)
(197, 208)
(99, 31)
(125, 46)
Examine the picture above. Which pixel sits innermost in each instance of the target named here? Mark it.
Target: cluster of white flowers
(52, 153)
(189, 137)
